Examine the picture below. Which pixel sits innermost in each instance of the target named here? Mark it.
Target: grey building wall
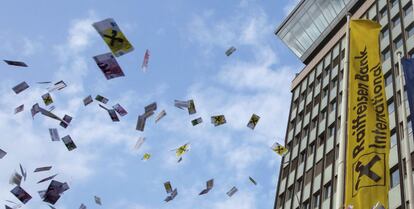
(307, 177)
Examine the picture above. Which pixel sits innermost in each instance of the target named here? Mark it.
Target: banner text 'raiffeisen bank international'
(367, 169)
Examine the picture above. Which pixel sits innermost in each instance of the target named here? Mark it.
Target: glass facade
(308, 24)
(312, 134)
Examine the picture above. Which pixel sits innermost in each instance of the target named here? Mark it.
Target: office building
(315, 32)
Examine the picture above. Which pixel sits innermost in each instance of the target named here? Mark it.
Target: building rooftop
(310, 23)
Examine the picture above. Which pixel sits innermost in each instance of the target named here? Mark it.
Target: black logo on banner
(368, 171)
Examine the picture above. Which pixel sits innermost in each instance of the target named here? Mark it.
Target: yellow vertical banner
(367, 169)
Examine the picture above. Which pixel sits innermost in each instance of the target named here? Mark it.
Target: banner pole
(340, 186)
(410, 187)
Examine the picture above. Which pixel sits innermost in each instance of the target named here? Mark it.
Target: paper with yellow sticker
(279, 149)
(182, 149)
(113, 37)
(146, 156)
(368, 141)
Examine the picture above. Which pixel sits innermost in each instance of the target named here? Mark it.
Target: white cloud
(31, 47)
(81, 32)
(24, 47)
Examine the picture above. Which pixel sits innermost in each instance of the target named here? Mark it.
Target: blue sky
(187, 40)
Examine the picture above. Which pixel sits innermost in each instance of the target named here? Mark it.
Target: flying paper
(113, 37)
(2, 153)
(67, 140)
(218, 120)
(160, 116)
(101, 99)
(19, 109)
(139, 143)
(47, 99)
(47, 179)
(279, 149)
(210, 184)
(120, 110)
(232, 191)
(98, 200)
(253, 121)
(87, 100)
(144, 65)
(109, 66)
(252, 180)
(16, 63)
(197, 121)
(146, 156)
(20, 194)
(230, 51)
(20, 87)
(54, 135)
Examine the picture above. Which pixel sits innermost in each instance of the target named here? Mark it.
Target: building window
(395, 177)
(410, 30)
(323, 114)
(308, 176)
(332, 106)
(390, 106)
(306, 205)
(298, 185)
(393, 3)
(393, 138)
(395, 21)
(305, 132)
(385, 54)
(300, 116)
(294, 165)
(384, 32)
(313, 123)
(325, 92)
(408, 9)
(308, 108)
(329, 158)
(318, 168)
(318, 80)
(316, 200)
(302, 156)
(388, 79)
(334, 82)
(316, 100)
(321, 140)
(290, 193)
(398, 42)
(303, 97)
(310, 88)
(285, 172)
(331, 131)
(281, 200)
(289, 145)
(311, 148)
(327, 191)
(383, 12)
